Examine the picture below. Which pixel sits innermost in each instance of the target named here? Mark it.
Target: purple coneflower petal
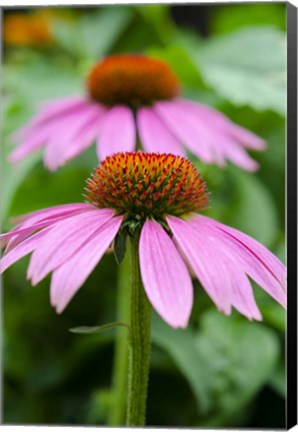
(60, 210)
(247, 138)
(63, 240)
(222, 145)
(38, 136)
(237, 155)
(209, 134)
(71, 275)
(211, 137)
(223, 124)
(275, 266)
(72, 136)
(117, 132)
(206, 260)
(182, 125)
(166, 279)
(86, 136)
(22, 249)
(249, 255)
(32, 143)
(39, 219)
(154, 135)
(50, 111)
(243, 296)
(69, 133)
(61, 106)
(25, 231)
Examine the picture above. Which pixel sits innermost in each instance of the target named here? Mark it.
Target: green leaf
(159, 18)
(66, 35)
(243, 201)
(226, 361)
(40, 79)
(247, 67)
(100, 30)
(278, 378)
(13, 175)
(230, 17)
(273, 314)
(253, 211)
(100, 406)
(65, 186)
(98, 329)
(181, 62)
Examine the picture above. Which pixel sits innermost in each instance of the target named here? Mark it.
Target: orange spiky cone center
(147, 185)
(133, 80)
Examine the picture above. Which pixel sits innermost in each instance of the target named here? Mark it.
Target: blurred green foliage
(221, 371)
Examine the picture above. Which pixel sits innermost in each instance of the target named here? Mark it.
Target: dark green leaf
(230, 17)
(278, 378)
(181, 62)
(120, 246)
(159, 18)
(226, 362)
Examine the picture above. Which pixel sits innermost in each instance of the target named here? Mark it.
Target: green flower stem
(118, 408)
(139, 344)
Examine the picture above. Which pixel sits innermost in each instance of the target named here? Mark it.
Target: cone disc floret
(147, 185)
(132, 80)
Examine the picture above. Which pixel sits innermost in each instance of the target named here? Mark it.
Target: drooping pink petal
(222, 145)
(22, 249)
(243, 297)
(39, 219)
(71, 275)
(206, 260)
(249, 255)
(155, 136)
(63, 240)
(190, 133)
(209, 134)
(31, 144)
(165, 277)
(238, 156)
(246, 137)
(275, 266)
(202, 133)
(86, 136)
(61, 106)
(73, 135)
(50, 111)
(63, 136)
(117, 132)
(220, 122)
(63, 209)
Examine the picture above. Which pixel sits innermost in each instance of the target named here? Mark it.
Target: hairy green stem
(139, 344)
(118, 409)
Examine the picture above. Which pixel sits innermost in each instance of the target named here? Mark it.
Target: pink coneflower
(156, 196)
(134, 99)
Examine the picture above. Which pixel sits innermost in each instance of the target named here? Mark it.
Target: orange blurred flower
(28, 29)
